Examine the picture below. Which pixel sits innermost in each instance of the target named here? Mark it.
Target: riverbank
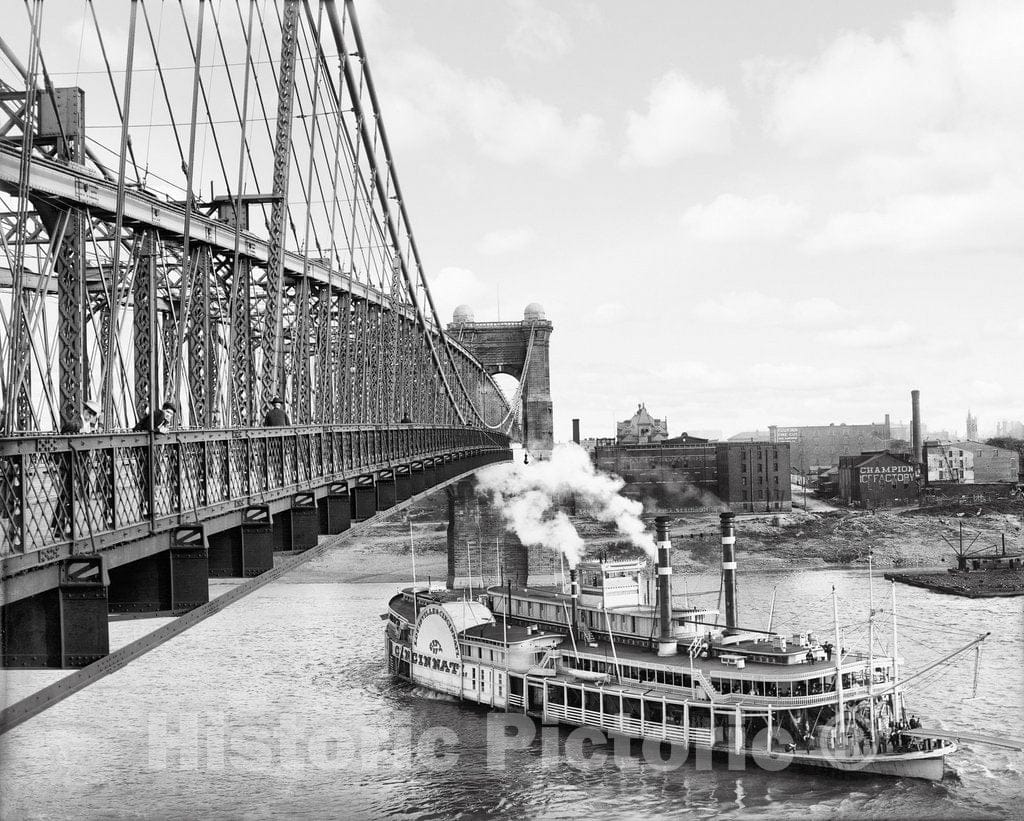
(907, 538)
(981, 584)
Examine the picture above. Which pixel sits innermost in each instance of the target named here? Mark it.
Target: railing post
(151, 473)
(181, 477)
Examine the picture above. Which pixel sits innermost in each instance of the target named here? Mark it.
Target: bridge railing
(98, 489)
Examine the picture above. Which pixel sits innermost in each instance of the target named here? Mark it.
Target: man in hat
(276, 417)
(88, 422)
(160, 421)
(91, 416)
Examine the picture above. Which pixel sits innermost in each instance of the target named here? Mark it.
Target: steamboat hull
(922, 764)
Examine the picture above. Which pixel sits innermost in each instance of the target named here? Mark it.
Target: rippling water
(280, 706)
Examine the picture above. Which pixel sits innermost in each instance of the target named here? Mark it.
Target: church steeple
(972, 427)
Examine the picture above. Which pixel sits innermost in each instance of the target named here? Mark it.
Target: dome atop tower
(463, 315)
(533, 311)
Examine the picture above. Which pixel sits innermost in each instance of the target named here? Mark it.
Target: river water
(279, 706)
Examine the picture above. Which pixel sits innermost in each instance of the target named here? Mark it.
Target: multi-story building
(827, 444)
(948, 462)
(641, 429)
(673, 473)
(754, 476)
(880, 479)
(992, 464)
(681, 472)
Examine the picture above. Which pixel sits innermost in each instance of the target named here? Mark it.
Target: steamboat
(607, 654)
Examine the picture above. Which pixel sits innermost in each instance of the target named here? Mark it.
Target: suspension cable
(186, 258)
(115, 275)
(163, 82)
(110, 76)
(14, 387)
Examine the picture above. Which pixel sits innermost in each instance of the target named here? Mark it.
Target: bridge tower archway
(521, 351)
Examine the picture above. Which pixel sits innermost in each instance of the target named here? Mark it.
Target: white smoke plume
(528, 497)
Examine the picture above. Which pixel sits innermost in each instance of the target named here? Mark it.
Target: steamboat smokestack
(574, 596)
(576, 431)
(667, 644)
(915, 425)
(729, 569)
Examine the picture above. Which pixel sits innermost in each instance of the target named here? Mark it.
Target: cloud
(753, 307)
(927, 123)
(504, 241)
(682, 119)
(539, 32)
(609, 312)
(947, 160)
(731, 218)
(694, 375)
(776, 376)
(932, 76)
(983, 219)
(451, 287)
(870, 336)
(863, 92)
(428, 101)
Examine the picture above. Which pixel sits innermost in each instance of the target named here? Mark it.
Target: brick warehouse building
(827, 444)
(754, 477)
(992, 464)
(666, 472)
(748, 476)
(878, 479)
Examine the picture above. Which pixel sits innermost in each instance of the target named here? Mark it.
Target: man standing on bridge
(276, 417)
(160, 421)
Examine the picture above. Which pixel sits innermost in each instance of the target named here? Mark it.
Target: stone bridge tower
(501, 348)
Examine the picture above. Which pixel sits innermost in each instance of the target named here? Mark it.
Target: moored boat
(608, 653)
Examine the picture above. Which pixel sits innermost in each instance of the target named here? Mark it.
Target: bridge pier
(336, 509)
(62, 627)
(247, 550)
(364, 498)
(429, 472)
(387, 490)
(446, 467)
(403, 482)
(417, 477)
(478, 541)
(297, 528)
(171, 582)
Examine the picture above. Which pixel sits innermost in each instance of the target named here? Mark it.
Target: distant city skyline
(677, 429)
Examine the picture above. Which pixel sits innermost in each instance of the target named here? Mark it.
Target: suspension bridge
(199, 214)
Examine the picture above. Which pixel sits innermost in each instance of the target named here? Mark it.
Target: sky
(738, 213)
